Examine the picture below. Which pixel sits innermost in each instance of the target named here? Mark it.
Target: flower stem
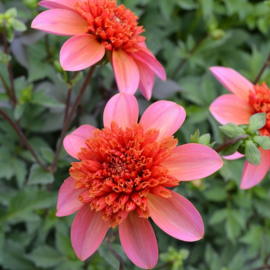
(229, 143)
(23, 139)
(69, 118)
(266, 64)
(10, 74)
(183, 62)
(109, 241)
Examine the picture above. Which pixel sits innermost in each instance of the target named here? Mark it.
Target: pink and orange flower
(101, 27)
(246, 99)
(122, 175)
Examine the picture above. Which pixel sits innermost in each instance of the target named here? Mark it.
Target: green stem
(69, 118)
(229, 143)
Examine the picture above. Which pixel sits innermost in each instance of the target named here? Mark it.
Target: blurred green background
(187, 37)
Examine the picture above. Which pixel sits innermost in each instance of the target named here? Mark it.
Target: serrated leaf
(20, 171)
(48, 154)
(39, 176)
(45, 256)
(14, 257)
(40, 98)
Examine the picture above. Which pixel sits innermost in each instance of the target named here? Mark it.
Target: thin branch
(266, 64)
(229, 143)
(70, 116)
(183, 62)
(10, 74)
(109, 241)
(23, 139)
(5, 86)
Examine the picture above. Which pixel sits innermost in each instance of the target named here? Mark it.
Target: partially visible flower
(246, 99)
(100, 26)
(122, 175)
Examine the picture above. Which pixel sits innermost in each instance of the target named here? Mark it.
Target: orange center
(120, 167)
(260, 100)
(115, 26)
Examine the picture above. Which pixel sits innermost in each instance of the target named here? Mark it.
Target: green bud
(17, 25)
(263, 141)
(26, 94)
(257, 121)
(58, 66)
(232, 130)
(217, 34)
(205, 139)
(195, 138)
(252, 153)
(10, 13)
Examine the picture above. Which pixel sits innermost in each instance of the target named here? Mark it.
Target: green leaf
(39, 176)
(40, 98)
(252, 153)
(18, 25)
(27, 200)
(232, 228)
(263, 141)
(19, 110)
(20, 171)
(2, 239)
(218, 216)
(45, 256)
(11, 12)
(216, 194)
(232, 131)
(257, 121)
(14, 257)
(48, 154)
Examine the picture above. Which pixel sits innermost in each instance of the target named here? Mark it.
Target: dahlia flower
(99, 27)
(246, 99)
(122, 175)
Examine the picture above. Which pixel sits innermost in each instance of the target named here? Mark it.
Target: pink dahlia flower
(122, 175)
(246, 99)
(100, 26)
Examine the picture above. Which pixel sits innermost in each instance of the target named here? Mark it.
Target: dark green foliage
(187, 37)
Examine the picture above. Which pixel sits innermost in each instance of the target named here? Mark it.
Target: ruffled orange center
(120, 167)
(115, 26)
(260, 100)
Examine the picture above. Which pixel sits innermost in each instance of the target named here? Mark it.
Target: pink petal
(233, 81)
(166, 116)
(230, 108)
(66, 4)
(139, 241)
(87, 232)
(192, 161)
(176, 216)
(81, 52)
(147, 79)
(76, 140)
(122, 109)
(234, 156)
(126, 72)
(68, 202)
(61, 22)
(254, 174)
(147, 58)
